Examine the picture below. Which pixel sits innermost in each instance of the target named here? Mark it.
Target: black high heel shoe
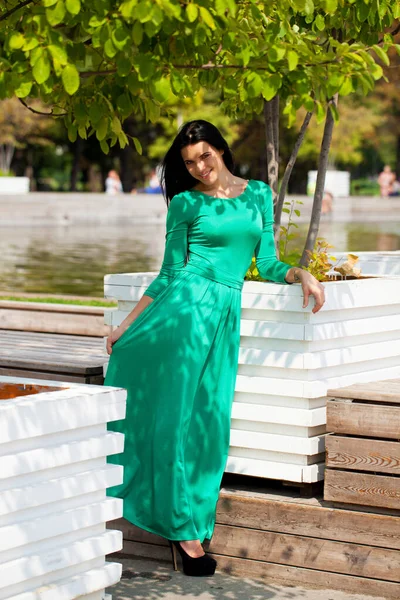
(203, 566)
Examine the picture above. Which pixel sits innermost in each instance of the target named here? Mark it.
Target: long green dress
(178, 361)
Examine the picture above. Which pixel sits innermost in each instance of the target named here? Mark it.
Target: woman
(177, 352)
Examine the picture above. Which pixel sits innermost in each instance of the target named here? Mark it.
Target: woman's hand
(112, 338)
(310, 285)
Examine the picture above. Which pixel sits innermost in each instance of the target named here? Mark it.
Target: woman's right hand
(112, 338)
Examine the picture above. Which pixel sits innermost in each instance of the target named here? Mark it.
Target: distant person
(327, 200)
(113, 183)
(395, 191)
(154, 186)
(386, 180)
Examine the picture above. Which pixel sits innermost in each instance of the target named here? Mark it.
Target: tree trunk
(288, 172)
(271, 129)
(319, 186)
(397, 169)
(78, 149)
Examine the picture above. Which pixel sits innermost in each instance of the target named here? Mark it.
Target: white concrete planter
(288, 360)
(375, 263)
(14, 185)
(53, 480)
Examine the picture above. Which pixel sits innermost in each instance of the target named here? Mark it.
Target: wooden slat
(367, 420)
(362, 488)
(51, 365)
(305, 552)
(362, 454)
(378, 391)
(277, 573)
(52, 376)
(301, 551)
(295, 516)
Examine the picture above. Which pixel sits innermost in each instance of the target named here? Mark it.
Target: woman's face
(204, 162)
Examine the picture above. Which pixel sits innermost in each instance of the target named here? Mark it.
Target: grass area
(60, 300)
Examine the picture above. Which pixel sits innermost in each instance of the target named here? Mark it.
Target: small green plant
(291, 257)
(319, 258)
(286, 234)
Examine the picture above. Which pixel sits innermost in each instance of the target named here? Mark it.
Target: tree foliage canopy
(98, 61)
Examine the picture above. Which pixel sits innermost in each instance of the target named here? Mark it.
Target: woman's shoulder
(259, 185)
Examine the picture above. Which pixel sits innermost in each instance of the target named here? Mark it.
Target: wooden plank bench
(58, 357)
(363, 451)
(53, 318)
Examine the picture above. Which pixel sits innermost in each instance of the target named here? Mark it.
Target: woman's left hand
(311, 287)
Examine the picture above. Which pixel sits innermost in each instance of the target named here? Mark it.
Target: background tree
(20, 128)
(99, 62)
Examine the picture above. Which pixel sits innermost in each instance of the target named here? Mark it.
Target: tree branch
(38, 112)
(320, 184)
(288, 172)
(13, 10)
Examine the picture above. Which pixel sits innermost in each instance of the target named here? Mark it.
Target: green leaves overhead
(100, 60)
(70, 79)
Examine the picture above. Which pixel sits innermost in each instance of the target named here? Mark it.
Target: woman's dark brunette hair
(175, 177)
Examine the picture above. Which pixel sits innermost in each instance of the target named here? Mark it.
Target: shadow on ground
(151, 580)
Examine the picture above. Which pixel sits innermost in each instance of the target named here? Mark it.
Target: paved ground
(150, 580)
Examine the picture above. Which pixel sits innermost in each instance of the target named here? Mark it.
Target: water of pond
(74, 260)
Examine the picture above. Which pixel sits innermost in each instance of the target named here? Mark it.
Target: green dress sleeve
(176, 245)
(268, 265)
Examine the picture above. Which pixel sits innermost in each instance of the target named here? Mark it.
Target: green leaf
(293, 59)
(334, 112)
(276, 53)
(254, 85)
(124, 66)
(70, 79)
(58, 54)
(48, 3)
(138, 145)
(381, 54)
(116, 126)
(320, 110)
(30, 44)
(376, 71)
(72, 133)
(102, 128)
(331, 6)
(95, 112)
(123, 140)
(145, 66)
(56, 13)
(127, 8)
(24, 88)
(347, 87)
(161, 89)
(192, 12)
(16, 41)
(143, 12)
(207, 18)
(109, 49)
(297, 212)
(271, 86)
(137, 33)
(104, 146)
(82, 132)
(41, 69)
(320, 22)
(73, 6)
